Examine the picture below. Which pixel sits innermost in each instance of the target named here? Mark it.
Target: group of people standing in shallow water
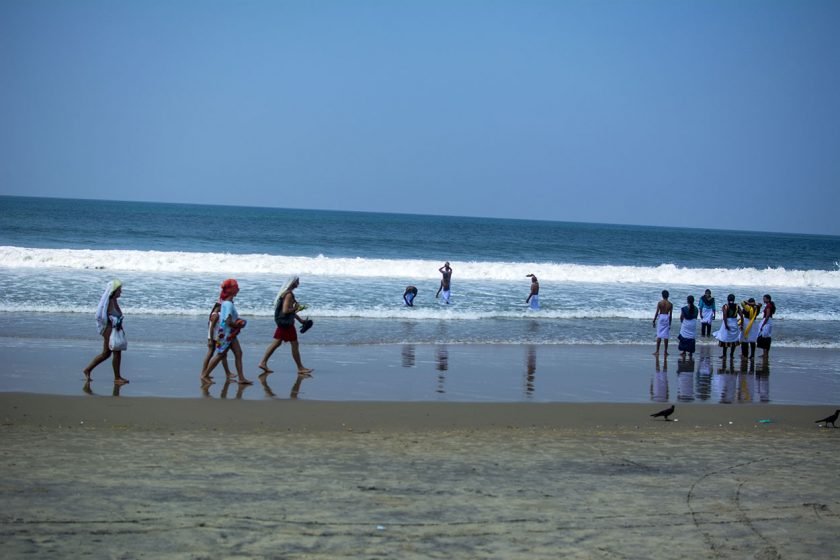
(223, 328)
(740, 325)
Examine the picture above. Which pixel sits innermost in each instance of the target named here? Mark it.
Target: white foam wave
(151, 262)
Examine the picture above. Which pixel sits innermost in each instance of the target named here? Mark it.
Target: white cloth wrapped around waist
(688, 328)
(728, 331)
(766, 329)
(663, 325)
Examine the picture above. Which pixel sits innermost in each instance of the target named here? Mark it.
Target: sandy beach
(190, 478)
(418, 451)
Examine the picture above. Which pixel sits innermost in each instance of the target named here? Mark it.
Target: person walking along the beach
(227, 330)
(534, 297)
(729, 334)
(749, 328)
(109, 317)
(212, 338)
(662, 321)
(707, 313)
(688, 328)
(285, 314)
(446, 271)
(765, 329)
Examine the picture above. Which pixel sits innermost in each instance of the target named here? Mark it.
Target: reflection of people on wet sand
(762, 378)
(442, 356)
(726, 383)
(659, 382)
(685, 380)
(115, 392)
(534, 296)
(228, 330)
(530, 369)
(704, 374)
(295, 387)
(285, 315)
(409, 295)
(212, 339)
(446, 271)
(408, 355)
(293, 394)
(662, 321)
(109, 316)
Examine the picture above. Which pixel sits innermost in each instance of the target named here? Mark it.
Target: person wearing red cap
(228, 330)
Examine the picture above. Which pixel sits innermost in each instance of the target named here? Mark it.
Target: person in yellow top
(749, 327)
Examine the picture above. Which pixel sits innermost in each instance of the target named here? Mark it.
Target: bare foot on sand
(243, 381)
(120, 381)
(265, 368)
(305, 372)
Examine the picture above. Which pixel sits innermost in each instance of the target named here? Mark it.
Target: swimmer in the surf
(446, 271)
(534, 297)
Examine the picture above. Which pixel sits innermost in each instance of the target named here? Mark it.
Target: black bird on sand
(669, 411)
(829, 419)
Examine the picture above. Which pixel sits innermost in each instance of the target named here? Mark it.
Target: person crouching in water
(285, 314)
(228, 333)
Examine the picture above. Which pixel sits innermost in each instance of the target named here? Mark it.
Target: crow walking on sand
(668, 412)
(830, 419)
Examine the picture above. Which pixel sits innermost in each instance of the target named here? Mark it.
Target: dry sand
(180, 478)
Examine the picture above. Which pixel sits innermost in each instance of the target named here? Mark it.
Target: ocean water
(599, 283)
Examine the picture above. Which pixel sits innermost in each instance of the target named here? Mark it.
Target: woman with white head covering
(285, 315)
(109, 316)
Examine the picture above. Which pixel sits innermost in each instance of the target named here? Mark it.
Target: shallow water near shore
(436, 372)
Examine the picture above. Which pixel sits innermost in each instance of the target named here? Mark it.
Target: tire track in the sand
(769, 552)
(691, 495)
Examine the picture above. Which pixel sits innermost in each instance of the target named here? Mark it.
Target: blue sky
(717, 114)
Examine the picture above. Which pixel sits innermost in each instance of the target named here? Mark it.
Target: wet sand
(192, 478)
(441, 373)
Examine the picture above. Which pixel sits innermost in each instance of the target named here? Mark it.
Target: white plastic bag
(117, 342)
